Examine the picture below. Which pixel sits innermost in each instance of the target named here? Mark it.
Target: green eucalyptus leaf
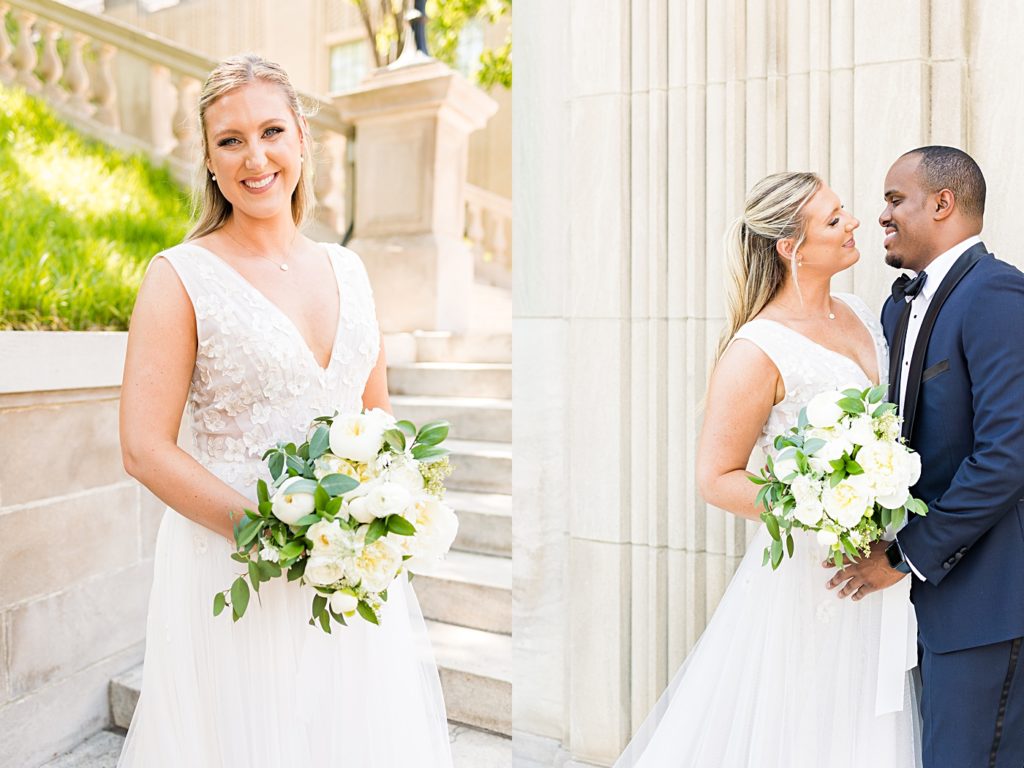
(813, 445)
(337, 484)
(254, 575)
(320, 499)
(218, 603)
(276, 465)
(767, 556)
(290, 449)
(395, 438)
(883, 409)
(296, 571)
(268, 570)
(377, 529)
(898, 516)
(422, 452)
(266, 508)
(401, 526)
(296, 463)
(366, 612)
(854, 393)
(789, 544)
(773, 526)
(433, 433)
(853, 468)
(319, 605)
(262, 494)
(776, 554)
(239, 597)
(319, 443)
(325, 622)
(407, 427)
(852, 405)
(877, 394)
(334, 506)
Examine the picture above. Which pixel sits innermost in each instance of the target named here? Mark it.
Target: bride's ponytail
(756, 272)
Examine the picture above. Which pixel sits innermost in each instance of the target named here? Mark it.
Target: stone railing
(489, 229)
(139, 92)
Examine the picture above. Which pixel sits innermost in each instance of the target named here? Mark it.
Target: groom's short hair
(953, 169)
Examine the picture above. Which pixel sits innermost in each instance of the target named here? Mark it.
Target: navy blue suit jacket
(964, 414)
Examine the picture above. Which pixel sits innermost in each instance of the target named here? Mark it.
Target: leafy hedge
(79, 222)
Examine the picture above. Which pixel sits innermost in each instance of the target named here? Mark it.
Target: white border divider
(44, 361)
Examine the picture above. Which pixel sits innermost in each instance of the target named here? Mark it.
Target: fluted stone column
(412, 128)
(640, 126)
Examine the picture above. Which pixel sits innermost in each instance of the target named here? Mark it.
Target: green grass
(79, 222)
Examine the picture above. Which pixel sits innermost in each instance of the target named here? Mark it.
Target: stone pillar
(412, 127)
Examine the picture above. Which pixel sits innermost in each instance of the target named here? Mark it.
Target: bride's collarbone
(846, 335)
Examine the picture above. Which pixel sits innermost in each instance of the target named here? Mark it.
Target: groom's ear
(943, 204)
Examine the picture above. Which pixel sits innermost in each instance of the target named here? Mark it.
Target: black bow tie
(904, 288)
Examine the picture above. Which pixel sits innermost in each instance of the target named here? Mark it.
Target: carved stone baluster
(77, 77)
(50, 66)
(6, 70)
(185, 120)
(499, 243)
(475, 230)
(24, 58)
(105, 89)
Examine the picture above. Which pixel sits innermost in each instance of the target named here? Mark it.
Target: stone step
(485, 522)
(471, 748)
(475, 667)
(480, 466)
(476, 674)
(472, 418)
(470, 590)
(489, 380)
(442, 346)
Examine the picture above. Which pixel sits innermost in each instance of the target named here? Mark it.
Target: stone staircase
(467, 599)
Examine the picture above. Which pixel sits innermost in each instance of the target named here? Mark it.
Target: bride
(786, 675)
(258, 329)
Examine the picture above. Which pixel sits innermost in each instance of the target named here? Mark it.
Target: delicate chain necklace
(279, 264)
(831, 313)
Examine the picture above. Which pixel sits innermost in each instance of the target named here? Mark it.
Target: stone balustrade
(138, 92)
(488, 228)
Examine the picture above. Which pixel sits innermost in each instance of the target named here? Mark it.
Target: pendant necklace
(283, 266)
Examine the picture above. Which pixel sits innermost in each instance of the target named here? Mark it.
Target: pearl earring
(213, 177)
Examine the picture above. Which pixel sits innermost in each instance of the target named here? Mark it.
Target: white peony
(436, 527)
(291, 507)
(358, 508)
(861, 431)
(824, 410)
(848, 502)
(376, 566)
(323, 571)
(805, 489)
(331, 540)
(329, 464)
(406, 472)
(357, 437)
(381, 417)
(343, 602)
(387, 498)
(891, 469)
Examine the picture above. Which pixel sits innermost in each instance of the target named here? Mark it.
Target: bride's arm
(375, 394)
(744, 386)
(157, 371)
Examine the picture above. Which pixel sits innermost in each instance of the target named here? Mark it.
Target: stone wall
(76, 542)
(639, 127)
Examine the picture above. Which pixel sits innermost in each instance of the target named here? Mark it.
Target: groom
(956, 339)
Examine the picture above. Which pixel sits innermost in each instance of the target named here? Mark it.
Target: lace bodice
(807, 368)
(255, 379)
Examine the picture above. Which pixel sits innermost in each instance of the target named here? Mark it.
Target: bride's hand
(867, 575)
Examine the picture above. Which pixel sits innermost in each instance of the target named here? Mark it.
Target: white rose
(823, 410)
(343, 602)
(827, 538)
(785, 466)
(376, 566)
(809, 512)
(358, 438)
(291, 507)
(436, 527)
(805, 489)
(323, 571)
(848, 501)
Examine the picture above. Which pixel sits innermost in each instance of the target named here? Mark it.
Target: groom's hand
(867, 575)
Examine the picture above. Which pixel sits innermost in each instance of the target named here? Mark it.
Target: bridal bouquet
(843, 471)
(347, 512)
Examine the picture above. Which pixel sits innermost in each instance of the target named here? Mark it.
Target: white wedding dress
(786, 675)
(270, 691)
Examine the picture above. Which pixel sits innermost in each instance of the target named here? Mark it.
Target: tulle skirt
(784, 676)
(270, 690)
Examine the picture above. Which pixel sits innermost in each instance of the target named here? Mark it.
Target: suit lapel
(896, 356)
(963, 265)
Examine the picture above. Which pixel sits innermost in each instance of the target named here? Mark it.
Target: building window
(349, 64)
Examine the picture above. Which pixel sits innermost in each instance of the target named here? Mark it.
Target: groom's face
(907, 224)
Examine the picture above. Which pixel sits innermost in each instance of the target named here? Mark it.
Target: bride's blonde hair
(756, 271)
(210, 208)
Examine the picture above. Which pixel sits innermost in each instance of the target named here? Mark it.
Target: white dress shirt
(937, 272)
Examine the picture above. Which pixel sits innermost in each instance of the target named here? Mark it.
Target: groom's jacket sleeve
(990, 480)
